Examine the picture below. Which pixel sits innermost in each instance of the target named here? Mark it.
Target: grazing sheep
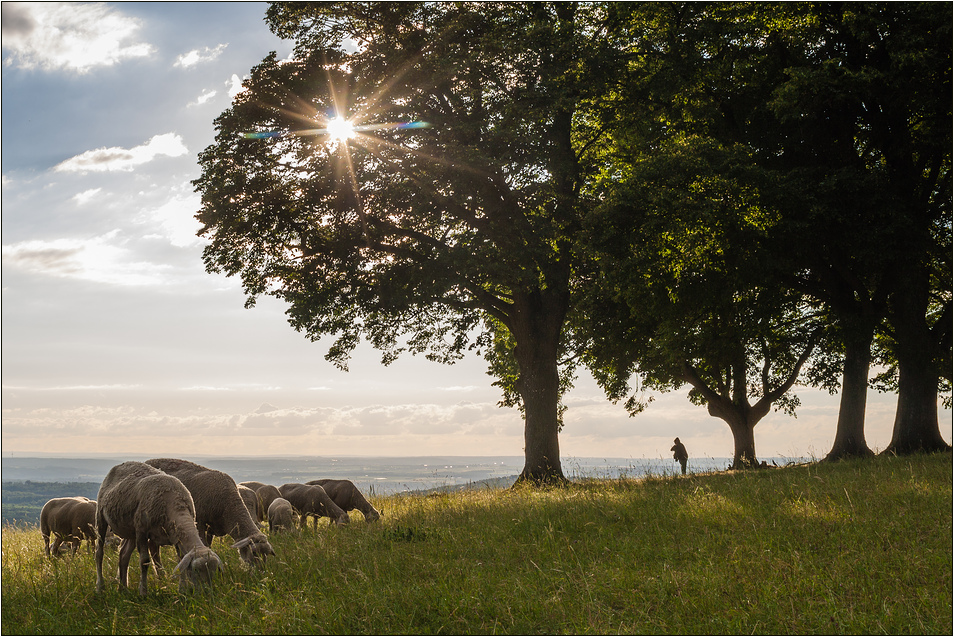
(281, 516)
(69, 519)
(219, 509)
(309, 499)
(148, 509)
(253, 503)
(346, 495)
(266, 492)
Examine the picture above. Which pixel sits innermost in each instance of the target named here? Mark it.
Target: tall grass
(853, 547)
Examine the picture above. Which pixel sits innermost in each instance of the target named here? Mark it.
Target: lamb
(266, 492)
(148, 509)
(281, 516)
(253, 503)
(309, 499)
(69, 519)
(347, 496)
(219, 508)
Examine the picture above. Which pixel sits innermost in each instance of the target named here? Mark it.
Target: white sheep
(346, 495)
(219, 509)
(69, 519)
(310, 499)
(148, 509)
(281, 516)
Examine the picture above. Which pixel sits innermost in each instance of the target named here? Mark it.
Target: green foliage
(851, 547)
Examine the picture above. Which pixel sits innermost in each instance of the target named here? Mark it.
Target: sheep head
(343, 519)
(197, 567)
(254, 549)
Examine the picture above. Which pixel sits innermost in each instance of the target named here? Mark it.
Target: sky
(116, 340)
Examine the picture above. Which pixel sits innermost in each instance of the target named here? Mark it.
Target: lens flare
(338, 130)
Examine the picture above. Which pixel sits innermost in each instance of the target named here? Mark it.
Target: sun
(340, 130)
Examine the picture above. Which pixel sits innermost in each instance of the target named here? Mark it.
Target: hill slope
(854, 547)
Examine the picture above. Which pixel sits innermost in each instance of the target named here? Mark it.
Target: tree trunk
(916, 426)
(537, 328)
(743, 438)
(850, 431)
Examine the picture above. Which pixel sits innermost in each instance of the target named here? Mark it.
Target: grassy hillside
(855, 547)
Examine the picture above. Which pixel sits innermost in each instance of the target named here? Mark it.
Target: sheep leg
(100, 546)
(157, 564)
(142, 544)
(55, 549)
(125, 553)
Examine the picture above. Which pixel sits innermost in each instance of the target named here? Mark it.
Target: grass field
(853, 547)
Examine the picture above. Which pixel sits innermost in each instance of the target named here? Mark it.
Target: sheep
(148, 509)
(219, 508)
(281, 516)
(346, 495)
(266, 492)
(309, 499)
(253, 503)
(69, 519)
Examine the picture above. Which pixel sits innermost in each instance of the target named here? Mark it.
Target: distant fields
(853, 547)
(23, 501)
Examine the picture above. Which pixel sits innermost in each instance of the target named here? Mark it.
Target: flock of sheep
(166, 501)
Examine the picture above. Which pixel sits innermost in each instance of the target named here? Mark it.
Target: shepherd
(679, 453)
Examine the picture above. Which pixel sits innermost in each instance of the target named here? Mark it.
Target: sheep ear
(241, 544)
(184, 563)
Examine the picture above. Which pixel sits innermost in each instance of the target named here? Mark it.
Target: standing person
(679, 453)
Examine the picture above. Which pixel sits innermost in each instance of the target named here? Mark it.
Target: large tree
(865, 117)
(684, 294)
(841, 114)
(438, 239)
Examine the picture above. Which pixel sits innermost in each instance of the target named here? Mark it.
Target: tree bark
(743, 437)
(537, 326)
(850, 430)
(916, 427)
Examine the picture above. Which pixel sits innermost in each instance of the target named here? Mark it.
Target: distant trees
(735, 196)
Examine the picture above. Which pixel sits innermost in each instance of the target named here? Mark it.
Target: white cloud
(116, 158)
(84, 197)
(235, 86)
(203, 98)
(195, 56)
(67, 35)
(101, 259)
(176, 220)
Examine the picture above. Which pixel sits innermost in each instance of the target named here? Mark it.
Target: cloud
(84, 197)
(235, 86)
(176, 220)
(101, 259)
(203, 98)
(195, 56)
(116, 158)
(67, 35)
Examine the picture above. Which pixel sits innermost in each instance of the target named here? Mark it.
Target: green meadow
(851, 547)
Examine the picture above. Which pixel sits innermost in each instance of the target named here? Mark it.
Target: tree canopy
(734, 196)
